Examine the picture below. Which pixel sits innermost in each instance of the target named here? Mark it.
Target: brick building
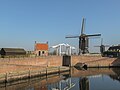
(41, 49)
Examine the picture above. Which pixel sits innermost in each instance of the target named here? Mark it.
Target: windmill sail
(83, 27)
(72, 36)
(92, 35)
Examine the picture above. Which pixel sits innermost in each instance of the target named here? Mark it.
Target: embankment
(96, 61)
(49, 61)
(11, 65)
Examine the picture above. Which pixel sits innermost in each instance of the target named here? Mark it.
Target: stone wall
(95, 61)
(57, 61)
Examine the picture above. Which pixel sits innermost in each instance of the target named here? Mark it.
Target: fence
(15, 76)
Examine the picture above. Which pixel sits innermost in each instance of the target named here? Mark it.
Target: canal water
(91, 79)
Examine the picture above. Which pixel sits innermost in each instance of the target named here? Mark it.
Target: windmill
(83, 39)
(102, 46)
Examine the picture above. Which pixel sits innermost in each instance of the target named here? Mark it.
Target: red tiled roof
(41, 46)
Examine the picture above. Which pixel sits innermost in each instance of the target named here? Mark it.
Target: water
(91, 79)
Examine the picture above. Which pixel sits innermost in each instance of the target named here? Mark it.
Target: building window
(39, 53)
(43, 52)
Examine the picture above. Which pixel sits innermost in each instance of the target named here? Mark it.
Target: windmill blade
(92, 35)
(107, 45)
(104, 45)
(101, 41)
(96, 46)
(72, 36)
(83, 26)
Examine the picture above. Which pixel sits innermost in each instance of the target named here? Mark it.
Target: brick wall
(57, 61)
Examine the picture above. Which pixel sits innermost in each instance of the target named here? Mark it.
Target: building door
(39, 53)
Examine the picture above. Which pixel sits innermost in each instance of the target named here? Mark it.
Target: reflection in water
(62, 85)
(65, 84)
(79, 80)
(117, 74)
(84, 83)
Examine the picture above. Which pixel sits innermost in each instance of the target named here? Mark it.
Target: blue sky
(24, 21)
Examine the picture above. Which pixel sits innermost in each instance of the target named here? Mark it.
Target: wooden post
(9, 58)
(59, 70)
(46, 72)
(40, 75)
(109, 65)
(29, 74)
(98, 65)
(6, 77)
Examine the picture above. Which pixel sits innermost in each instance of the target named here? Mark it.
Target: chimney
(35, 46)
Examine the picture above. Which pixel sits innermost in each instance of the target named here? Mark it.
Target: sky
(22, 22)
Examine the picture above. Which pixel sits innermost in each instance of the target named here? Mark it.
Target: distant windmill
(83, 40)
(102, 46)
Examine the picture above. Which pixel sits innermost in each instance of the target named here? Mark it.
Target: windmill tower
(83, 39)
(102, 46)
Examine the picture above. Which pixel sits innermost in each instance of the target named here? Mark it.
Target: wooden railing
(15, 76)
